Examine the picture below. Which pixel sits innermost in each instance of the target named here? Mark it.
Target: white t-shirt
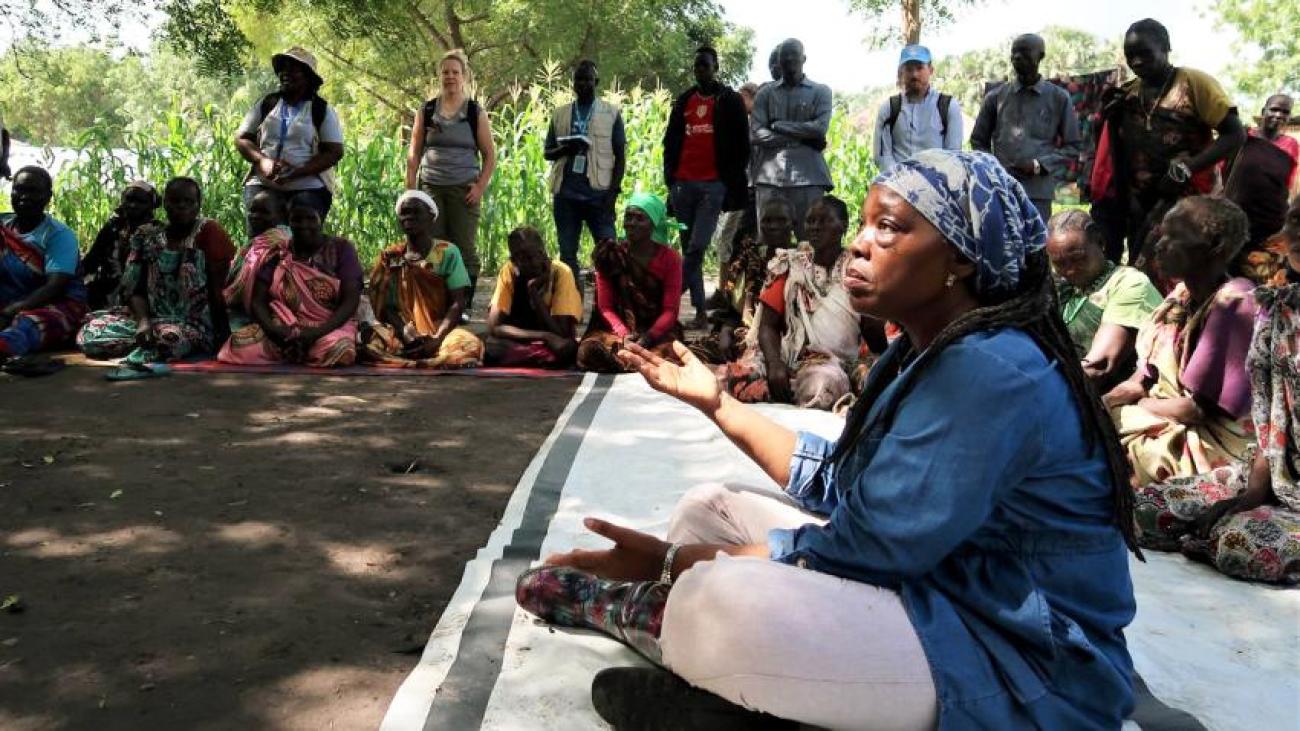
(299, 138)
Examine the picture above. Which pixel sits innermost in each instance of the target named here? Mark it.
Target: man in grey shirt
(920, 118)
(789, 133)
(1029, 124)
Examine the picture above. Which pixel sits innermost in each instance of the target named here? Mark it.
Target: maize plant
(199, 143)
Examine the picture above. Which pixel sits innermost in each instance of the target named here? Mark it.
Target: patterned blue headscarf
(978, 207)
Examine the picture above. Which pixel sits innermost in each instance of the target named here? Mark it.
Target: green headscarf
(651, 205)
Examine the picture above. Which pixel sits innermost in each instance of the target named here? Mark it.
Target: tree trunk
(911, 21)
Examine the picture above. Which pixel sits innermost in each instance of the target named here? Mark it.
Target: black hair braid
(1033, 309)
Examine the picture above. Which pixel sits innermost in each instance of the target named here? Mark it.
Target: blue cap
(914, 53)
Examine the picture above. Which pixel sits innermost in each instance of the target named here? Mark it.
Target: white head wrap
(420, 196)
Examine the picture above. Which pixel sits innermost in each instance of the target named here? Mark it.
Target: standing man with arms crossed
(789, 133)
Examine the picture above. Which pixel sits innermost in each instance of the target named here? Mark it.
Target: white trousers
(796, 643)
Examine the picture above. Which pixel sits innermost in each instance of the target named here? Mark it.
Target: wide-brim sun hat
(300, 55)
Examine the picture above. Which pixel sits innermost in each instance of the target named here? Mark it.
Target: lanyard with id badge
(580, 130)
(287, 113)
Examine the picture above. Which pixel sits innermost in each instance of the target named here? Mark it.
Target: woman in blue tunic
(956, 559)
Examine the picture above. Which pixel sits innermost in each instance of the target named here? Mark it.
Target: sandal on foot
(137, 371)
(647, 699)
(32, 366)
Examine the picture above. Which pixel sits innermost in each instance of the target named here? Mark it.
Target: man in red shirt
(706, 156)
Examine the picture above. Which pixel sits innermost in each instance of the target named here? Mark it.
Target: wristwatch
(1179, 172)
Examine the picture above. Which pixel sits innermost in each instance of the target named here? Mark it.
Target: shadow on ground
(219, 552)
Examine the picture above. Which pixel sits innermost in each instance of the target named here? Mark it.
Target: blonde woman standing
(450, 135)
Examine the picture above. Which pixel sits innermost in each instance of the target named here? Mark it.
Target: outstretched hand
(692, 382)
(635, 556)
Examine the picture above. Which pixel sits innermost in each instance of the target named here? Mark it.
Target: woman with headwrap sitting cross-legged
(957, 558)
(418, 290)
(638, 289)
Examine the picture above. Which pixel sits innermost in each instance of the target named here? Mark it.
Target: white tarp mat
(1215, 653)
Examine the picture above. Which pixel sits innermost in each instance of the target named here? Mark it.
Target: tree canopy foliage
(912, 16)
(51, 95)
(389, 49)
(46, 21)
(1069, 51)
(1271, 26)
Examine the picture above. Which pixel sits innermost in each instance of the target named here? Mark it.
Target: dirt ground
(241, 552)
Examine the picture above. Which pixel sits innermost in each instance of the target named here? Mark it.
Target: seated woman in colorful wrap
(1244, 518)
(417, 293)
(268, 225)
(170, 287)
(638, 289)
(749, 264)
(1102, 304)
(535, 308)
(302, 295)
(807, 336)
(267, 217)
(1186, 409)
(915, 572)
(103, 265)
(42, 297)
(747, 270)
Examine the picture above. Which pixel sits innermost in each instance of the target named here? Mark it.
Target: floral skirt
(819, 380)
(43, 328)
(711, 349)
(1260, 545)
(598, 352)
(380, 345)
(110, 334)
(249, 345)
(1161, 450)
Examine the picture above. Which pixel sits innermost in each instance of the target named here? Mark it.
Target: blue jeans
(697, 205)
(319, 198)
(570, 215)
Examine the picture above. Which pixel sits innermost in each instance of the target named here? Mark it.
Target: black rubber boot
(653, 699)
(469, 299)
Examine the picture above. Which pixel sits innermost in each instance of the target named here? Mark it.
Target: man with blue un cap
(919, 118)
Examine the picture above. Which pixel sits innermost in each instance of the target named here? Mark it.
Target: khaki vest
(600, 158)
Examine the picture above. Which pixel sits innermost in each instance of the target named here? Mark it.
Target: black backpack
(472, 111)
(896, 108)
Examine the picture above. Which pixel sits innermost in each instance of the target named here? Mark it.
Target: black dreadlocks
(1032, 308)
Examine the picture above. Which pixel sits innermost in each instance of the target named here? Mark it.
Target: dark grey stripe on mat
(1152, 714)
(461, 700)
